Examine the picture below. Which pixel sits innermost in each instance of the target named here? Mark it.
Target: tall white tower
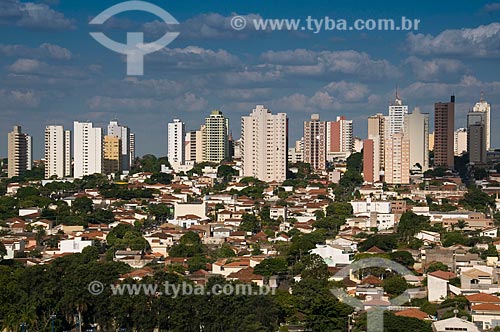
(87, 149)
(397, 112)
(416, 129)
(176, 142)
(57, 152)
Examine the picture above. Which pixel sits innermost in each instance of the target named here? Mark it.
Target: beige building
(416, 129)
(194, 145)
(315, 143)
(19, 152)
(112, 154)
(376, 127)
(431, 142)
(460, 141)
(397, 159)
(215, 137)
(264, 143)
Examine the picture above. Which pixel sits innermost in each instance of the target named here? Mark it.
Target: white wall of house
(75, 245)
(437, 289)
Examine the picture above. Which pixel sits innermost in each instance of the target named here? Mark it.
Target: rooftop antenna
(482, 96)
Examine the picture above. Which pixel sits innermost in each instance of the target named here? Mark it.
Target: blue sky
(53, 72)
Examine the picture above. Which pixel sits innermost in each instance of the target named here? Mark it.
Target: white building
(416, 129)
(334, 255)
(264, 145)
(87, 149)
(127, 141)
(57, 152)
(483, 107)
(460, 141)
(397, 112)
(176, 142)
(369, 206)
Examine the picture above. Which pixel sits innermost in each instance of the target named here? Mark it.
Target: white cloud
(309, 63)
(205, 26)
(187, 102)
(19, 98)
(436, 69)
(194, 58)
(483, 41)
(33, 16)
(44, 51)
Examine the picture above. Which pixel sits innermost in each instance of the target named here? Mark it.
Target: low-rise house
(225, 267)
(334, 255)
(75, 245)
(454, 324)
(490, 232)
(429, 238)
(135, 258)
(438, 285)
(247, 276)
(13, 246)
(486, 315)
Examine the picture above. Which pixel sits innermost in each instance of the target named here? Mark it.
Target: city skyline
(47, 77)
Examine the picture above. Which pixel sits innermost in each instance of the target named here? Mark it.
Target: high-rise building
(112, 155)
(264, 143)
(397, 159)
(476, 137)
(87, 147)
(215, 137)
(176, 142)
(397, 112)
(460, 141)
(416, 129)
(371, 159)
(132, 149)
(484, 107)
(315, 143)
(19, 152)
(127, 142)
(431, 142)
(57, 152)
(339, 139)
(444, 134)
(376, 127)
(194, 146)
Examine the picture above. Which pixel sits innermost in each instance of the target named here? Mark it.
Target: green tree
(3, 251)
(249, 223)
(82, 205)
(437, 266)
(410, 224)
(189, 246)
(395, 285)
(271, 266)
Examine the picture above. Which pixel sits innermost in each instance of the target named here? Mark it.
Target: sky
(53, 72)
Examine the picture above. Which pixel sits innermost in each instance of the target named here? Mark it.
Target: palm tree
(461, 224)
